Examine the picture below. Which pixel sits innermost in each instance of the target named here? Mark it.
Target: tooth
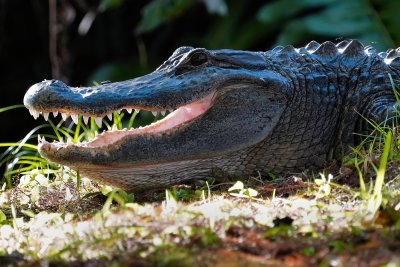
(75, 118)
(45, 115)
(109, 115)
(34, 113)
(41, 139)
(154, 113)
(114, 128)
(85, 119)
(99, 121)
(69, 141)
(129, 110)
(55, 114)
(64, 116)
(118, 111)
(163, 112)
(137, 110)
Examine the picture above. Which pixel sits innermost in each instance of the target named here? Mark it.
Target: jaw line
(176, 118)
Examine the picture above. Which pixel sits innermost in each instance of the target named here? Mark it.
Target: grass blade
(375, 200)
(11, 107)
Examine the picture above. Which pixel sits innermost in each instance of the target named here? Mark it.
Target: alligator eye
(198, 59)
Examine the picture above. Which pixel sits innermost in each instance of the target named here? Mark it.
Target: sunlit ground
(316, 223)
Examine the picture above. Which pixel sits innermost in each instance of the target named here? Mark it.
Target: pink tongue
(179, 116)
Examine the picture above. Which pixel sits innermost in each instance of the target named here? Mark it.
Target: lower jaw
(139, 178)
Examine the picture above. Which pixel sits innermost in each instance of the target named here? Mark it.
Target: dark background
(81, 41)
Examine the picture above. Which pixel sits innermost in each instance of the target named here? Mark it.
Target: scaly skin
(282, 110)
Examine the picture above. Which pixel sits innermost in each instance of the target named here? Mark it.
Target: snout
(41, 94)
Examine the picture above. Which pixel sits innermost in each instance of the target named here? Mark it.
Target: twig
(55, 66)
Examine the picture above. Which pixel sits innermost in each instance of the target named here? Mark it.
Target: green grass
(49, 213)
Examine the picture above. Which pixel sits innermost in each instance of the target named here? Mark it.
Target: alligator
(233, 113)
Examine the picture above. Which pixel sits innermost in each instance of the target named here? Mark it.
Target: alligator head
(224, 102)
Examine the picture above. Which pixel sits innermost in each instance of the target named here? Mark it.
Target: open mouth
(175, 118)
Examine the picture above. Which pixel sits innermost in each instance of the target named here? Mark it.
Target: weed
(239, 190)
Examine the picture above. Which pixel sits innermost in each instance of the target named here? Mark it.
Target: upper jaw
(98, 101)
(158, 92)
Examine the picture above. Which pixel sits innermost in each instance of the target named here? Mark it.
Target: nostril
(53, 85)
(53, 82)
